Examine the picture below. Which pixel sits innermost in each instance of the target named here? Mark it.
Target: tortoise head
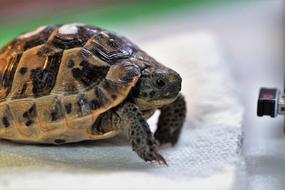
(157, 86)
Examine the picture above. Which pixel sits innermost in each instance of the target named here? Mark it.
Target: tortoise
(74, 82)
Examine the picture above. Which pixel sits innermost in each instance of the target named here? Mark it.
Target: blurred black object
(268, 102)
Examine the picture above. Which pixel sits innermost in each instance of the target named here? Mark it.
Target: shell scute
(40, 72)
(109, 47)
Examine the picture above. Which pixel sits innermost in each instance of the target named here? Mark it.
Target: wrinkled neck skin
(149, 108)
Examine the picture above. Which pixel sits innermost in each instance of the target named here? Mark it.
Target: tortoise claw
(160, 160)
(154, 156)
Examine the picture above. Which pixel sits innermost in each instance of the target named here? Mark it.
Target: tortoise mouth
(144, 104)
(163, 101)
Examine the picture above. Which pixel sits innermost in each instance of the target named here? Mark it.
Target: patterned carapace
(56, 80)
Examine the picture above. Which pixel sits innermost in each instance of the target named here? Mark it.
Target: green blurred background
(17, 16)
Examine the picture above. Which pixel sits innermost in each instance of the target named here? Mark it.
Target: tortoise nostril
(177, 83)
(173, 90)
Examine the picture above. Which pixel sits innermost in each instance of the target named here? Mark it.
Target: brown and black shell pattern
(57, 80)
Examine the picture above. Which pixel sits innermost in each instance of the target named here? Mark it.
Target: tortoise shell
(57, 80)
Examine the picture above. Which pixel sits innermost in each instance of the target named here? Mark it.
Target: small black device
(270, 102)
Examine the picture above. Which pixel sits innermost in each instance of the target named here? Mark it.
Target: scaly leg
(170, 121)
(140, 136)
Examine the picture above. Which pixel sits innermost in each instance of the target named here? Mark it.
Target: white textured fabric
(206, 157)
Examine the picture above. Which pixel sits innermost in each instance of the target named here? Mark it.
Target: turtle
(67, 83)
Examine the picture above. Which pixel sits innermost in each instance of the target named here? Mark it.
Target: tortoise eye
(159, 83)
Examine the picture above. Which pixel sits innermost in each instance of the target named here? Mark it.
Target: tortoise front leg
(170, 121)
(139, 133)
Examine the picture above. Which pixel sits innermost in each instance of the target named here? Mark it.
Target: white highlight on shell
(69, 28)
(29, 34)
